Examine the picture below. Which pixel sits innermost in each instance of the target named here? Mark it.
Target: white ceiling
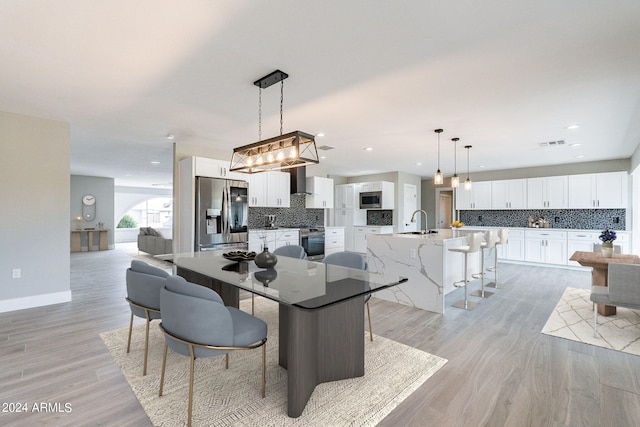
(501, 75)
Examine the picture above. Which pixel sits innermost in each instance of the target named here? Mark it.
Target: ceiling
(503, 76)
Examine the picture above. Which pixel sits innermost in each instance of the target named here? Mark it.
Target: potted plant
(607, 237)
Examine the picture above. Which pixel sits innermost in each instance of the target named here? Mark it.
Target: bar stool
(490, 238)
(503, 239)
(474, 240)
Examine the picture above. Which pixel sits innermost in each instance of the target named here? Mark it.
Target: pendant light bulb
(467, 182)
(438, 179)
(455, 179)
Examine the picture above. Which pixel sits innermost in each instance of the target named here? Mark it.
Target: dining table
(600, 272)
(320, 312)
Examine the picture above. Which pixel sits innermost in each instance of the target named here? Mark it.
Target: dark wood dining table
(600, 273)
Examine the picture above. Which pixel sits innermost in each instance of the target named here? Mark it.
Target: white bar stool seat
(474, 240)
(503, 239)
(490, 238)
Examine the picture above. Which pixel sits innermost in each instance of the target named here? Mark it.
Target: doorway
(444, 207)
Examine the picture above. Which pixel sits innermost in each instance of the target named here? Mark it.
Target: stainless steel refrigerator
(221, 214)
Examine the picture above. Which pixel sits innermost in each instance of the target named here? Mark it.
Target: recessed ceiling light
(368, 149)
(319, 134)
(170, 137)
(579, 157)
(575, 144)
(572, 127)
(155, 162)
(323, 157)
(419, 164)
(481, 166)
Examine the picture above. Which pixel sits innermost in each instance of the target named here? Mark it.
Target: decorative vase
(607, 249)
(266, 259)
(266, 276)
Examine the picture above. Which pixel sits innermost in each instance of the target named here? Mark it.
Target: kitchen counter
(426, 261)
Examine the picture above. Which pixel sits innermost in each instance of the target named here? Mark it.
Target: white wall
(34, 215)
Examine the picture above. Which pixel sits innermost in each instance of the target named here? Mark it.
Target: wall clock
(89, 207)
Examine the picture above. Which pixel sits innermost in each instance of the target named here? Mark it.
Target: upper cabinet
(214, 168)
(346, 196)
(509, 194)
(549, 192)
(479, 197)
(321, 190)
(386, 190)
(269, 189)
(598, 191)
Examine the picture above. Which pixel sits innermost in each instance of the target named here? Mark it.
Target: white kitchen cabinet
(278, 189)
(546, 246)
(598, 191)
(321, 190)
(269, 189)
(580, 241)
(513, 250)
(360, 235)
(550, 192)
(214, 168)
(346, 196)
(349, 218)
(509, 194)
(273, 239)
(479, 197)
(334, 240)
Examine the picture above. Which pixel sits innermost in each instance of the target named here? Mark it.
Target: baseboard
(34, 301)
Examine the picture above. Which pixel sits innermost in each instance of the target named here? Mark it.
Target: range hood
(298, 180)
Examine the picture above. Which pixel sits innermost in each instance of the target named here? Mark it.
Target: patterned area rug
(573, 319)
(232, 397)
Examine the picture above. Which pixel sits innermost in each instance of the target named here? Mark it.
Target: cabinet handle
(581, 235)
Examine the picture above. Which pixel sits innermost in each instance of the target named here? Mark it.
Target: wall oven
(312, 240)
(371, 200)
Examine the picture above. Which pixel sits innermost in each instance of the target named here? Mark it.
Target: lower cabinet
(334, 240)
(546, 246)
(360, 234)
(273, 239)
(514, 249)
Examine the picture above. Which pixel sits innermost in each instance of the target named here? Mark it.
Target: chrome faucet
(413, 219)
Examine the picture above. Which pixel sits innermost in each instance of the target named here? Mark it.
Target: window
(155, 213)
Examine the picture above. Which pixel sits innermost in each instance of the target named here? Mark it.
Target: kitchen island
(426, 261)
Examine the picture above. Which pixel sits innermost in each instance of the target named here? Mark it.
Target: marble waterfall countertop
(425, 259)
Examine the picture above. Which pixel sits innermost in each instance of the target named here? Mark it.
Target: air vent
(552, 143)
(325, 147)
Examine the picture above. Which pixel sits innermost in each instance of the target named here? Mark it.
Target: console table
(600, 274)
(103, 239)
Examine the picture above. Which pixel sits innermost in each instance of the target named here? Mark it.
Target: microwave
(371, 200)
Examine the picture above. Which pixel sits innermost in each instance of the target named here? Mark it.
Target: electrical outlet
(412, 253)
(16, 273)
(616, 219)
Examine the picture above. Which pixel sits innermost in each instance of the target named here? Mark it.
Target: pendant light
(437, 177)
(291, 150)
(467, 183)
(455, 180)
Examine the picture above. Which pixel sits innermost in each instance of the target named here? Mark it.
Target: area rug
(232, 397)
(572, 319)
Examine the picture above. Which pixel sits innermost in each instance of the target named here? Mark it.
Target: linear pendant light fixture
(467, 183)
(438, 179)
(455, 180)
(291, 150)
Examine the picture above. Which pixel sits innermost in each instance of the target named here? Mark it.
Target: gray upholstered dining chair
(352, 260)
(143, 295)
(197, 324)
(291, 251)
(623, 290)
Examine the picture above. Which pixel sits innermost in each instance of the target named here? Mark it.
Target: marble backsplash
(380, 217)
(294, 216)
(583, 219)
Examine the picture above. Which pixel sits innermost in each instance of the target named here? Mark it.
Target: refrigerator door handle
(226, 216)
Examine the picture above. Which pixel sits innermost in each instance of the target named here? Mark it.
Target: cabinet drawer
(334, 232)
(334, 242)
(583, 236)
(545, 234)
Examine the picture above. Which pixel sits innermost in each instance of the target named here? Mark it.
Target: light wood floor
(501, 372)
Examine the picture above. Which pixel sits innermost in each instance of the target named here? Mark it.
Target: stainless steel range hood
(298, 180)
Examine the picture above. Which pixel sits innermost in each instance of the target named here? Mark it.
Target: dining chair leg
(146, 345)
(369, 316)
(226, 365)
(252, 305)
(191, 366)
(130, 329)
(595, 320)
(264, 368)
(164, 364)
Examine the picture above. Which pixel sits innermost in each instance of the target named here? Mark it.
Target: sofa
(153, 242)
